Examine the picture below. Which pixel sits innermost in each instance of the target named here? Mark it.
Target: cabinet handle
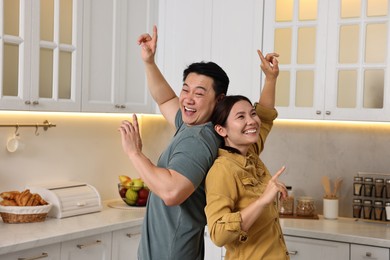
(318, 112)
(123, 106)
(368, 254)
(120, 106)
(327, 113)
(134, 234)
(44, 255)
(80, 246)
(295, 252)
(35, 102)
(27, 102)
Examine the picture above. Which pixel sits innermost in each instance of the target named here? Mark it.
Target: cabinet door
(96, 247)
(227, 32)
(125, 243)
(334, 61)
(50, 252)
(41, 55)
(309, 249)
(212, 252)
(113, 72)
(369, 253)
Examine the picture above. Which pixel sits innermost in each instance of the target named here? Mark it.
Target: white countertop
(16, 237)
(342, 230)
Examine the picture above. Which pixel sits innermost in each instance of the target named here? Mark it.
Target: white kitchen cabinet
(362, 252)
(125, 243)
(334, 58)
(227, 32)
(309, 249)
(212, 252)
(113, 72)
(97, 247)
(40, 61)
(49, 252)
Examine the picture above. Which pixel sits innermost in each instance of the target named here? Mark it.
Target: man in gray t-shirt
(175, 219)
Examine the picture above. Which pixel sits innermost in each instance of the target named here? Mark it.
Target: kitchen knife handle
(295, 252)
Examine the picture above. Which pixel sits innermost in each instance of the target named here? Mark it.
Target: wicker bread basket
(24, 214)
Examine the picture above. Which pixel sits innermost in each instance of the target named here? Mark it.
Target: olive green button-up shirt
(234, 182)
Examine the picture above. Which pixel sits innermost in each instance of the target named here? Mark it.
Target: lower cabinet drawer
(369, 252)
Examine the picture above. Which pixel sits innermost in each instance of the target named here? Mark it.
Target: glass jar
(286, 206)
(368, 186)
(379, 185)
(357, 186)
(305, 207)
(387, 188)
(367, 209)
(378, 210)
(357, 208)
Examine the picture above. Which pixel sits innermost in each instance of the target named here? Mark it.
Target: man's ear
(220, 130)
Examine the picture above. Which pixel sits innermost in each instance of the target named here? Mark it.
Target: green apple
(137, 184)
(131, 195)
(130, 202)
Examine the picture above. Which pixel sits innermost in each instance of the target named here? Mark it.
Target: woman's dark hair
(212, 70)
(223, 108)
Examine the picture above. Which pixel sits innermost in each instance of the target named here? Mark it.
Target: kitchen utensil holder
(371, 193)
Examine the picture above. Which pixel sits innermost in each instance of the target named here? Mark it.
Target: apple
(141, 202)
(137, 184)
(143, 193)
(131, 195)
(122, 192)
(130, 202)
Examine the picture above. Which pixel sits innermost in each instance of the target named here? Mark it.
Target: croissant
(10, 195)
(7, 202)
(24, 198)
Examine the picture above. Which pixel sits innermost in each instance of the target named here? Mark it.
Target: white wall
(82, 147)
(86, 147)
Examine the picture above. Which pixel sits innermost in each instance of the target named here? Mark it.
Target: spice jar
(357, 186)
(368, 186)
(367, 209)
(379, 185)
(305, 207)
(387, 188)
(286, 206)
(387, 208)
(378, 210)
(357, 208)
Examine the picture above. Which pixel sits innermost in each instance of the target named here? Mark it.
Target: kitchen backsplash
(86, 147)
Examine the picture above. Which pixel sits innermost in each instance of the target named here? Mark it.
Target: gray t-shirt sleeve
(192, 158)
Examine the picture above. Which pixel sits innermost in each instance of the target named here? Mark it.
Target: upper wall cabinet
(40, 55)
(334, 58)
(227, 32)
(113, 72)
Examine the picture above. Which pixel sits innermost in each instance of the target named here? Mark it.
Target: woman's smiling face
(242, 127)
(197, 99)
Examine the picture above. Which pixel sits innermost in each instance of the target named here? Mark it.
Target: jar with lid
(379, 186)
(387, 209)
(357, 208)
(367, 209)
(387, 188)
(305, 207)
(286, 206)
(357, 185)
(378, 210)
(368, 186)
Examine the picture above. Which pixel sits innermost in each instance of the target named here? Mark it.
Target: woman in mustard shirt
(241, 211)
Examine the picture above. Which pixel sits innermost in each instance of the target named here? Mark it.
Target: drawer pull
(134, 234)
(368, 254)
(44, 255)
(87, 245)
(293, 252)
